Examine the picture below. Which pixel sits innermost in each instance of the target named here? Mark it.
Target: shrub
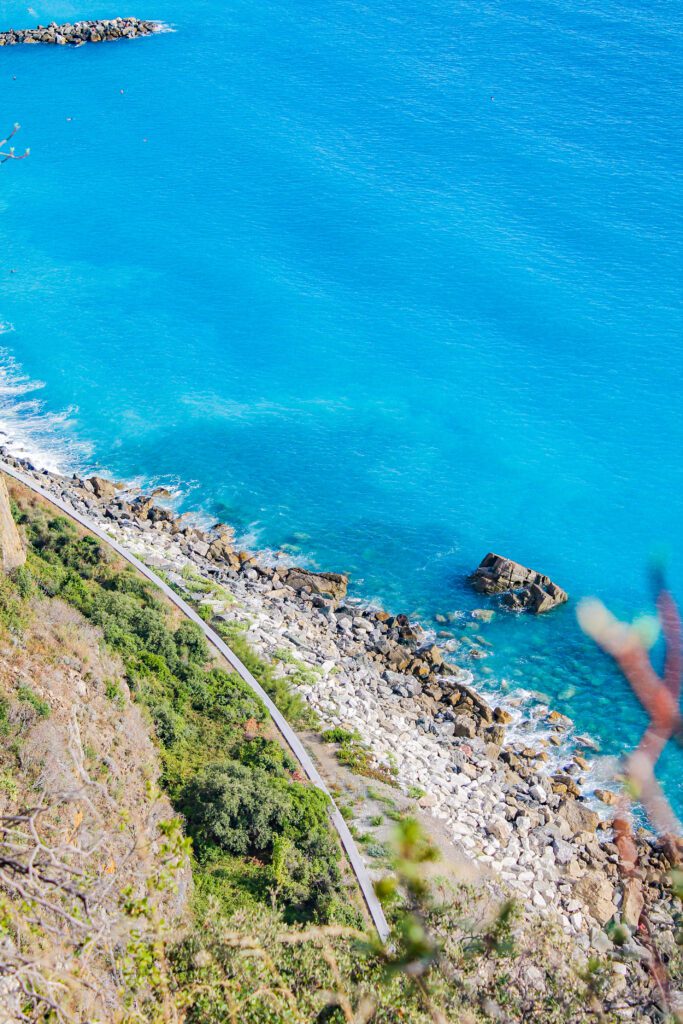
(190, 643)
(240, 809)
(235, 807)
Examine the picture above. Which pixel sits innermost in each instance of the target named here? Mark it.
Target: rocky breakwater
(502, 779)
(80, 32)
(522, 589)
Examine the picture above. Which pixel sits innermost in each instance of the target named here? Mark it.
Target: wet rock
(606, 796)
(524, 589)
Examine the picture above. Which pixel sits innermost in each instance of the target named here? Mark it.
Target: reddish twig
(659, 697)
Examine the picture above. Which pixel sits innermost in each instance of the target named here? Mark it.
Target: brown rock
(597, 892)
(495, 734)
(607, 796)
(103, 489)
(579, 817)
(221, 550)
(466, 727)
(524, 588)
(328, 584)
(11, 549)
(632, 902)
(433, 655)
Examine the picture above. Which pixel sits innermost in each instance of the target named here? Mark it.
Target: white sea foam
(28, 427)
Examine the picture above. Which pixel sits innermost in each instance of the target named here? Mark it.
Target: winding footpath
(283, 727)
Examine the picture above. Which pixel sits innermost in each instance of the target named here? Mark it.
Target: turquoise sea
(394, 284)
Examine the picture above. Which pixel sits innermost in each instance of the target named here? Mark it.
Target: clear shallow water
(395, 284)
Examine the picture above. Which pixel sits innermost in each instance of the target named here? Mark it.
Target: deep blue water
(395, 284)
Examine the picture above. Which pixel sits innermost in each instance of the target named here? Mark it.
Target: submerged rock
(523, 588)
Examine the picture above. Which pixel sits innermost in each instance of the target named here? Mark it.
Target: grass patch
(29, 696)
(355, 756)
(113, 691)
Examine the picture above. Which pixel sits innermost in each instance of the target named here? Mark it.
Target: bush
(240, 809)
(235, 807)
(190, 643)
(338, 735)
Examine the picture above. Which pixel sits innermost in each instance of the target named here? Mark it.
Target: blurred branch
(659, 697)
(9, 154)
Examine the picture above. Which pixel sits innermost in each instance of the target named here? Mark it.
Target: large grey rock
(524, 588)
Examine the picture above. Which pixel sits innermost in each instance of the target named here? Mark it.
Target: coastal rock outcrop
(12, 553)
(523, 589)
(80, 32)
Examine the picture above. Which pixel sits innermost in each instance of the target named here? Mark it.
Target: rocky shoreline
(503, 781)
(81, 32)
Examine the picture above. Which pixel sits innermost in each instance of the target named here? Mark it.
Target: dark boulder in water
(522, 589)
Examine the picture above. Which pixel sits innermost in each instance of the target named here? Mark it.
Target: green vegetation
(40, 706)
(113, 691)
(356, 756)
(290, 703)
(259, 834)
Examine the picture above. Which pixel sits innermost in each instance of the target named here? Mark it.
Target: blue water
(393, 284)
